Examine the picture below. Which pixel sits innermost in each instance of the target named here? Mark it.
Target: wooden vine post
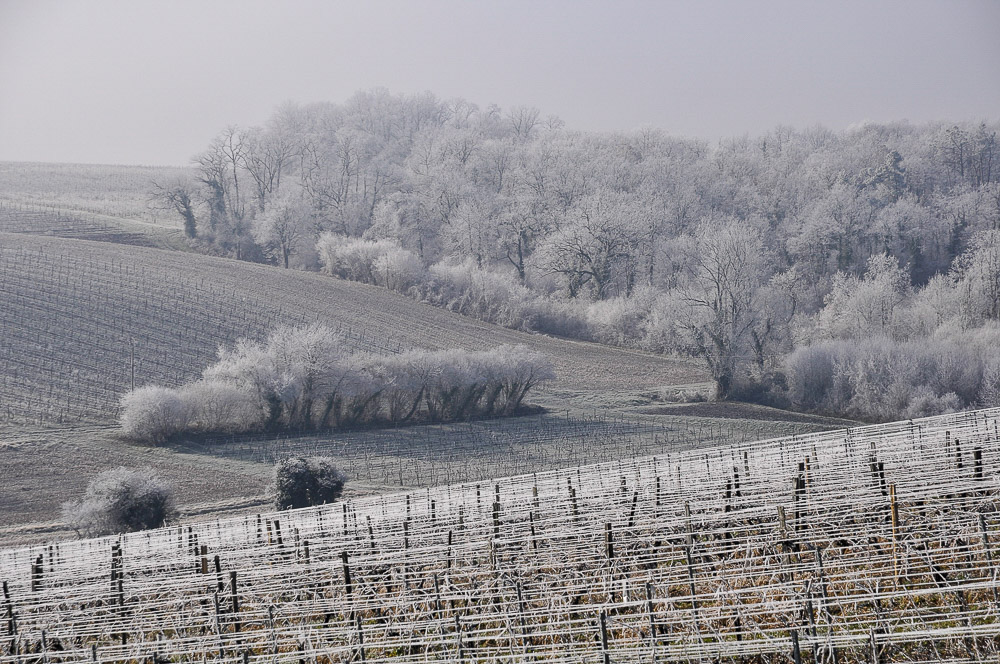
(894, 511)
(603, 623)
(235, 601)
(11, 621)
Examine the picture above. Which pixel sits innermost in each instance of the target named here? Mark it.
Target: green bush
(306, 481)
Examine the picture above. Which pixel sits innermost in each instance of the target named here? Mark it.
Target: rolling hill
(103, 190)
(85, 299)
(74, 310)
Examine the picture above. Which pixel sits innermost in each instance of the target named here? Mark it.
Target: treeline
(306, 379)
(737, 252)
(880, 379)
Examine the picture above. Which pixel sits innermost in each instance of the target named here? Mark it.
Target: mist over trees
(740, 252)
(307, 378)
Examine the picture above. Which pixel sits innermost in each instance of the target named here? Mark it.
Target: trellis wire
(870, 544)
(430, 455)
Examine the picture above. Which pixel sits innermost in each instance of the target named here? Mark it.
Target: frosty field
(74, 308)
(871, 543)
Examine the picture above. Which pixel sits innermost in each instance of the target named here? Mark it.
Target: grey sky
(152, 82)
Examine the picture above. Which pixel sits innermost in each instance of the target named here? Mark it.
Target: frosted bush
(564, 318)
(877, 379)
(879, 383)
(488, 295)
(521, 369)
(153, 414)
(397, 269)
(924, 403)
(620, 321)
(955, 368)
(383, 262)
(121, 500)
(221, 407)
(659, 328)
(406, 380)
(249, 367)
(305, 378)
(989, 391)
(810, 375)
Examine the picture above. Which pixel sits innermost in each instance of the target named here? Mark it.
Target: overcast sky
(151, 82)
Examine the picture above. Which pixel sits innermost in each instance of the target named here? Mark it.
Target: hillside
(105, 190)
(867, 544)
(72, 310)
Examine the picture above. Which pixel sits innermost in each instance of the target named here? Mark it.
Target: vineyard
(432, 455)
(75, 317)
(79, 317)
(121, 192)
(39, 220)
(872, 544)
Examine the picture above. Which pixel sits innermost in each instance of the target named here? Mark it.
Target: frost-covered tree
(154, 413)
(179, 194)
(979, 284)
(265, 155)
(249, 367)
(282, 225)
(727, 268)
(859, 308)
(596, 246)
(520, 370)
(309, 366)
(989, 392)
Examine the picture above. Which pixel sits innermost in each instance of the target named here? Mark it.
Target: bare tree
(727, 268)
(523, 120)
(264, 157)
(596, 247)
(178, 194)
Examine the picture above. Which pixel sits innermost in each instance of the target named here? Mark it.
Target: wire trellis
(872, 544)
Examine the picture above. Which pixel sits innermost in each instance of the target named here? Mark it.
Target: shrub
(924, 403)
(989, 393)
(306, 377)
(811, 371)
(381, 262)
(397, 269)
(622, 321)
(306, 481)
(488, 295)
(121, 500)
(877, 379)
(154, 413)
